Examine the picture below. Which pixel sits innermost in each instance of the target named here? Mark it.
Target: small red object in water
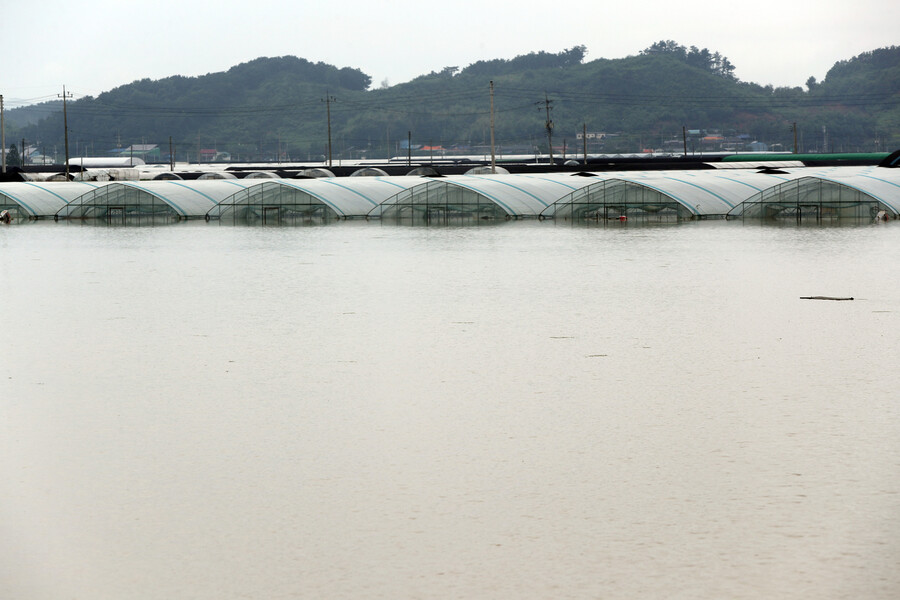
(623, 218)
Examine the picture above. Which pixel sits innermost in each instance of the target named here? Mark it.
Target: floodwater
(522, 411)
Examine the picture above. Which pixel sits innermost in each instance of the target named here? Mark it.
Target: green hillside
(275, 108)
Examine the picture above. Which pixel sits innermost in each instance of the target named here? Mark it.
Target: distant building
(213, 155)
(591, 135)
(149, 153)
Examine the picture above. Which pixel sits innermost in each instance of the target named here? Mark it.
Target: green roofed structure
(809, 159)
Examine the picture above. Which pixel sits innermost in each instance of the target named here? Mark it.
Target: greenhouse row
(804, 193)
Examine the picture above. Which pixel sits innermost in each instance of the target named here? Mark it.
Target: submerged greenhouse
(618, 199)
(820, 194)
(478, 198)
(32, 200)
(308, 201)
(152, 202)
(847, 196)
(657, 196)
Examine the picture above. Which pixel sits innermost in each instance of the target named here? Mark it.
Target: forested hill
(272, 108)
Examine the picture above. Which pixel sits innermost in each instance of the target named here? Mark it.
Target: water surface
(527, 410)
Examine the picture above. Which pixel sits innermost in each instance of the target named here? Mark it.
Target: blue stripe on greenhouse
(21, 203)
(879, 179)
(321, 199)
(480, 193)
(562, 183)
(361, 195)
(161, 197)
(193, 190)
(46, 189)
(515, 187)
(393, 183)
(700, 187)
(749, 185)
(781, 177)
(867, 193)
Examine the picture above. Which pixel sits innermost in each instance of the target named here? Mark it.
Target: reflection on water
(400, 412)
(114, 217)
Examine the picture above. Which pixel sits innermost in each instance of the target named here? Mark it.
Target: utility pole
(794, 129)
(493, 152)
(328, 100)
(171, 155)
(2, 135)
(584, 140)
(684, 136)
(409, 148)
(66, 129)
(547, 103)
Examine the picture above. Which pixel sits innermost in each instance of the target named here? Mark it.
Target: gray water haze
(519, 411)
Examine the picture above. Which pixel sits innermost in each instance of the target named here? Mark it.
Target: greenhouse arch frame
(820, 199)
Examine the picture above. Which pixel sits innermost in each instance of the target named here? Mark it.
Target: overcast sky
(92, 46)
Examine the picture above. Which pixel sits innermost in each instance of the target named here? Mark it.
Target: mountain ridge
(279, 107)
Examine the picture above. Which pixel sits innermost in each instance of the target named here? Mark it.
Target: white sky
(92, 46)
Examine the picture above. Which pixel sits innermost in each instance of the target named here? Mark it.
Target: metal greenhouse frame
(152, 202)
(32, 200)
(307, 201)
(473, 199)
(816, 199)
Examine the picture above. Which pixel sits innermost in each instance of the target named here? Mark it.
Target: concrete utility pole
(66, 129)
(547, 105)
(584, 140)
(794, 129)
(2, 135)
(493, 153)
(328, 100)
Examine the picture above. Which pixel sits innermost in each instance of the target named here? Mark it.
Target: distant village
(692, 142)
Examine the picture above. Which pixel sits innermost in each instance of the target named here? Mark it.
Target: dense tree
(668, 47)
(702, 59)
(12, 157)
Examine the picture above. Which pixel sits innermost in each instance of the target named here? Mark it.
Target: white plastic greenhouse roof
(41, 200)
(517, 195)
(707, 192)
(189, 199)
(355, 197)
(703, 193)
(718, 192)
(879, 183)
(772, 164)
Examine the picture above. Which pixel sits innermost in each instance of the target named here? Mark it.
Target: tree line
(281, 108)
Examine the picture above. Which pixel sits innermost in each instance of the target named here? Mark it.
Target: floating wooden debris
(824, 298)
